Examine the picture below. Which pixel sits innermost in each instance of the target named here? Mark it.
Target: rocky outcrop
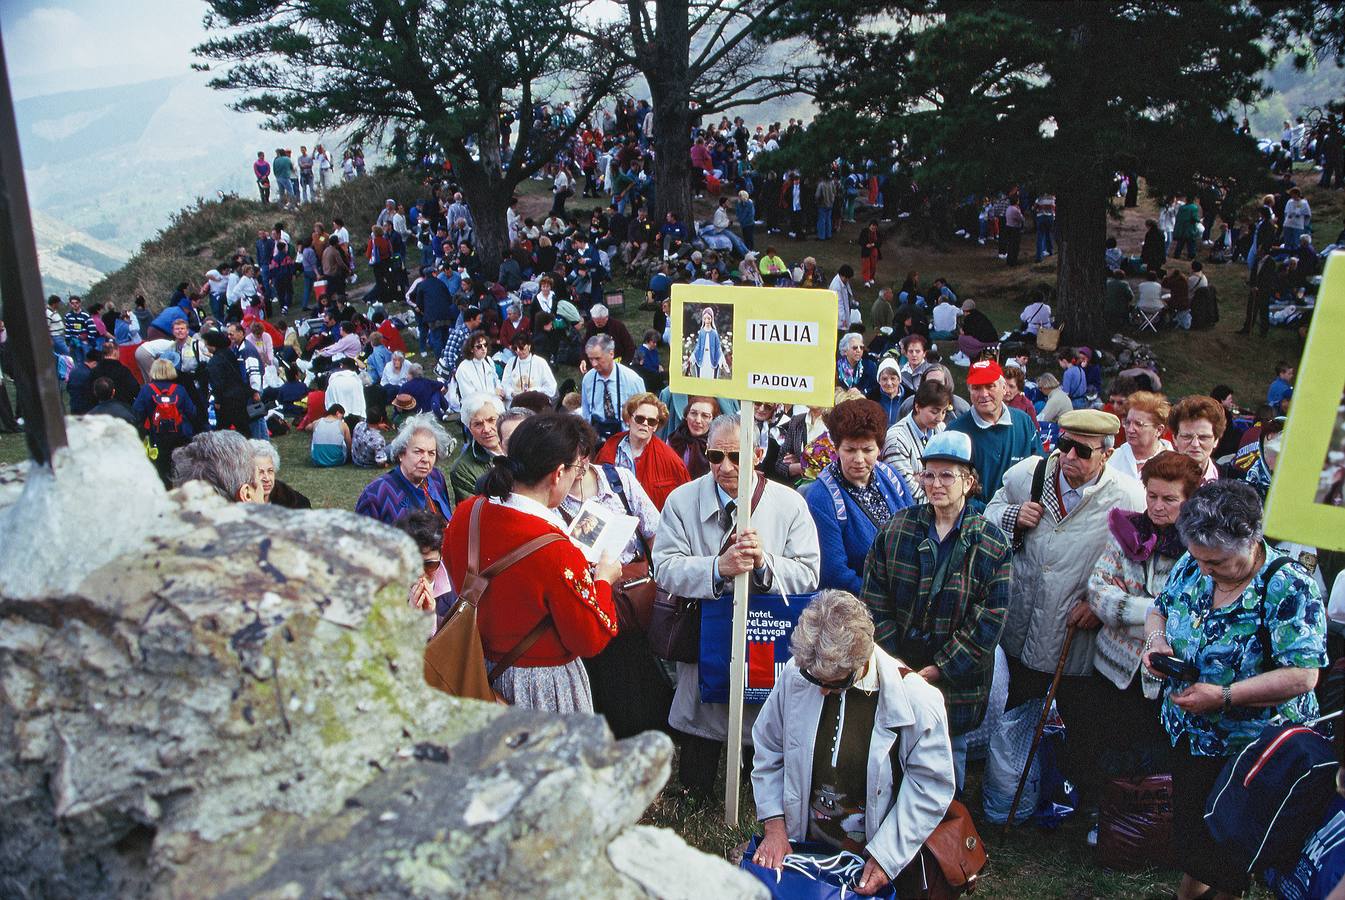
(227, 700)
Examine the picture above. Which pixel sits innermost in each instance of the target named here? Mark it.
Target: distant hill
(108, 167)
(70, 259)
(200, 236)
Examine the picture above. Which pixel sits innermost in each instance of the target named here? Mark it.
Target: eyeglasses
(1195, 438)
(945, 479)
(651, 421)
(842, 685)
(717, 456)
(432, 565)
(1081, 450)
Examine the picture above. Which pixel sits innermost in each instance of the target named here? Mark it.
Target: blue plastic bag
(770, 621)
(802, 878)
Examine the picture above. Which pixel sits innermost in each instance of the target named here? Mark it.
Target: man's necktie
(727, 517)
(608, 407)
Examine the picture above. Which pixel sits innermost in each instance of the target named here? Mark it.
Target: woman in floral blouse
(1254, 627)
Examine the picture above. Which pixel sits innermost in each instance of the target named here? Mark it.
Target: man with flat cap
(1055, 511)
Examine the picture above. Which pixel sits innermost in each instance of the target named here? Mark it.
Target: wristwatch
(1228, 698)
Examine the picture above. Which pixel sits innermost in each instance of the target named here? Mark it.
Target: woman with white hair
(481, 415)
(415, 481)
(266, 463)
(843, 692)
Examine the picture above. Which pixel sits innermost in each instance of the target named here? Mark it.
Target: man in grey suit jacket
(780, 551)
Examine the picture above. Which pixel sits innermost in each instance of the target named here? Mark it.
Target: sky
(63, 45)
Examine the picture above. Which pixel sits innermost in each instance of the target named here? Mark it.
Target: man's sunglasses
(1081, 450)
(843, 685)
(717, 456)
(651, 421)
(431, 565)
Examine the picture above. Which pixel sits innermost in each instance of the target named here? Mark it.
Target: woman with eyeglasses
(1246, 629)
(656, 465)
(937, 583)
(688, 440)
(842, 711)
(1197, 422)
(550, 608)
(855, 495)
(1146, 419)
(476, 373)
(431, 592)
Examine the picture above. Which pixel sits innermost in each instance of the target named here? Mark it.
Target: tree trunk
(489, 198)
(1081, 229)
(669, 77)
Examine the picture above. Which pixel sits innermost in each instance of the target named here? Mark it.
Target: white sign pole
(741, 589)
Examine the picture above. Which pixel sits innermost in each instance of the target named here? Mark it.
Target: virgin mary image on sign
(708, 353)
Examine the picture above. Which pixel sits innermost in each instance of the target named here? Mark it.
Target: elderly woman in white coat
(698, 552)
(844, 691)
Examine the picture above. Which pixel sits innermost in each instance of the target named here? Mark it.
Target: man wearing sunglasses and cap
(1057, 520)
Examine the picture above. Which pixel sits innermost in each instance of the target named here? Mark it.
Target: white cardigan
(910, 715)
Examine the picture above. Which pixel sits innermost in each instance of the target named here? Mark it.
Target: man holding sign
(776, 345)
(698, 553)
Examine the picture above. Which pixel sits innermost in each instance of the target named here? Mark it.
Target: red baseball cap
(987, 371)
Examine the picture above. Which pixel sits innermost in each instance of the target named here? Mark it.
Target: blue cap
(953, 446)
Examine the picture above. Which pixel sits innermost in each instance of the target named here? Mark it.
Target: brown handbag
(675, 622)
(454, 660)
(633, 595)
(957, 852)
(951, 858)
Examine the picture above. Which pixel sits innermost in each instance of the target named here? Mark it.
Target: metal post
(741, 590)
(21, 292)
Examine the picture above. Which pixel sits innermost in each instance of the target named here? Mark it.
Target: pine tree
(448, 72)
(1059, 96)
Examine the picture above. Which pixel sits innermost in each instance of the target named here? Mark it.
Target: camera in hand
(1175, 667)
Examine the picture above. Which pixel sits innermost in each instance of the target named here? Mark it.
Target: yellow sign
(1307, 494)
(770, 345)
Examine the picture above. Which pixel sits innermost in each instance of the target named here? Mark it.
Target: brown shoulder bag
(454, 660)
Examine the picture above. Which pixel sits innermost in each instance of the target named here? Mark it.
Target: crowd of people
(934, 532)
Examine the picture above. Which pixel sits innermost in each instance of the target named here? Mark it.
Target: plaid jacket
(964, 619)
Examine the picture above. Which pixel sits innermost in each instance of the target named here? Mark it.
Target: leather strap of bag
(475, 583)
(519, 649)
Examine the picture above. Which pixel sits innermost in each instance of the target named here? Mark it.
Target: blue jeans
(217, 307)
(960, 760)
(58, 344)
(824, 224)
(1045, 224)
(1289, 236)
(308, 289)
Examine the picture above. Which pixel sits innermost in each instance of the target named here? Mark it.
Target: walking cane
(1041, 726)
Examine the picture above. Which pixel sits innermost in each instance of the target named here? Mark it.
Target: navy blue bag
(1272, 796)
(814, 871)
(770, 621)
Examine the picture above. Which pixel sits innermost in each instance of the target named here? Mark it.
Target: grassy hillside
(200, 236)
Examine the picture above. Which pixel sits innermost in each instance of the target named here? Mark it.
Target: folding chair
(1148, 318)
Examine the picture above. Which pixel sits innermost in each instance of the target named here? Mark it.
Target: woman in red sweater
(522, 491)
(657, 466)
